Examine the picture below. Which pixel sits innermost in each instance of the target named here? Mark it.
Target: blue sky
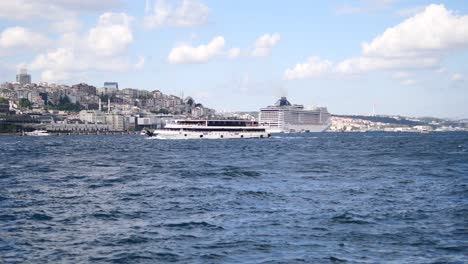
(404, 57)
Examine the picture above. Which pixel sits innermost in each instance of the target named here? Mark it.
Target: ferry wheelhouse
(210, 129)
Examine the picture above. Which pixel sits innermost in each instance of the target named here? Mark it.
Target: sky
(399, 57)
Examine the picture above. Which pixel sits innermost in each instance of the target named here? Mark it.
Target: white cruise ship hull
(168, 134)
(298, 129)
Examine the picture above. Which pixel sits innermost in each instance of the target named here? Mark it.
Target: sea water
(293, 198)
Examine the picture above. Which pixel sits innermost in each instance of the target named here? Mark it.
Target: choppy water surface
(312, 198)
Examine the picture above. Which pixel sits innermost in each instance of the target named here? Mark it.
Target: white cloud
(265, 43)
(234, 53)
(19, 37)
(435, 30)
(365, 6)
(419, 42)
(140, 63)
(408, 82)
(401, 75)
(102, 48)
(404, 77)
(185, 53)
(52, 9)
(186, 14)
(457, 77)
(71, 24)
(112, 35)
(408, 12)
(63, 63)
(312, 68)
(366, 64)
(60, 58)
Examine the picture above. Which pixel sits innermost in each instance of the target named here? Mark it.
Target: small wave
(5, 176)
(166, 256)
(348, 218)
(213, 256)
(238, 172)
(334, 259)
(76, 177)
(45, 169)
(186, 236)
(127, 258)
(290, 137)
(115, 179)
(227, 245)
(257, 194)
(96, 186)
(453, 248)
(133, 240)
(41, 217)
(7, 217)
(107, 216)
(193, 224)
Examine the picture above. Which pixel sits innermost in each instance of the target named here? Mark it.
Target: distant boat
(210, 129)
(37, 133)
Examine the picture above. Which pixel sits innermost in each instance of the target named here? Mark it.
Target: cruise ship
(210, 129)
(284, 117)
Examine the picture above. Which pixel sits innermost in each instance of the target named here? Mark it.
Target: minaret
(100, 107)
(108, 105)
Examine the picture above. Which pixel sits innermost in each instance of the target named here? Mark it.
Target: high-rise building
(112, 85)
(23, 77)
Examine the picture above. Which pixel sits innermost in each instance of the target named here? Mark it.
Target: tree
(3, 100)
(190, 101)
(104, 97)
(161, 111)
(65, 104)
(25, 103)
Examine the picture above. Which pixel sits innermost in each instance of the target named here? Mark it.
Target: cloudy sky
(405, 57)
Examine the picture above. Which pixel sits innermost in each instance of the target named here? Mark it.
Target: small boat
(210, 129)
(37, 133)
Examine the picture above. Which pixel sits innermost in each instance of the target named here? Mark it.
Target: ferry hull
(163, 134)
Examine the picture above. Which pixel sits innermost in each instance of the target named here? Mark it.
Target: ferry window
(201, 136)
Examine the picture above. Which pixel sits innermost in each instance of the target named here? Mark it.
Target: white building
(92, 116)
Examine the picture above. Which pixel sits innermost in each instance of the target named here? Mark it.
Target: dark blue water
(306, 198)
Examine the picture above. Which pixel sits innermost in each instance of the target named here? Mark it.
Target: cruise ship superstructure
(285, 117)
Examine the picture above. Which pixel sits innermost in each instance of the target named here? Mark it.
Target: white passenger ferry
(210, 129)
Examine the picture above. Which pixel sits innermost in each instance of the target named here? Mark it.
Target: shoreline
(19, 134)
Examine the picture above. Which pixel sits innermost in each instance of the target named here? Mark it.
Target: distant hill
(386, 119)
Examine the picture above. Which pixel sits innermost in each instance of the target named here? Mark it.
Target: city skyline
(402, 57)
